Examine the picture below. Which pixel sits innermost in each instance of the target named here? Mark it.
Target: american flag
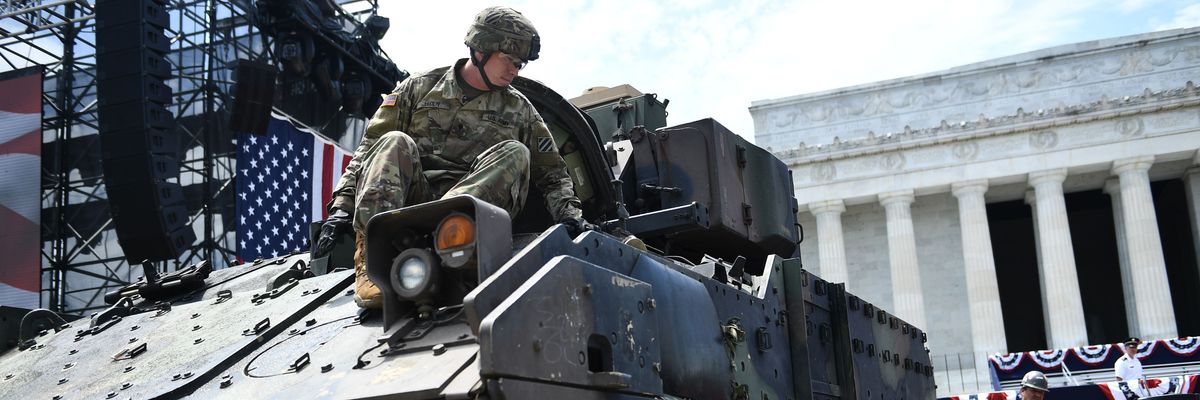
(20, 189)
(284, 180)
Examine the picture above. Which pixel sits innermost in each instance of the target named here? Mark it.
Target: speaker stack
(254, 92)
(139, 148)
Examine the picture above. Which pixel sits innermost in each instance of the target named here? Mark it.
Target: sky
(713, 58)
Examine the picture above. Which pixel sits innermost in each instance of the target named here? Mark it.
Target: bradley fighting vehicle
(481, 305)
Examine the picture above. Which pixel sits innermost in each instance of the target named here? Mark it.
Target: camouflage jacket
(450, 134)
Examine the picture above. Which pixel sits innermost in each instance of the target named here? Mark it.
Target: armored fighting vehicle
(715, 302)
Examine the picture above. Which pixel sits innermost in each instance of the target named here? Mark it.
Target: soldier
(1033, 386)
(450, 131)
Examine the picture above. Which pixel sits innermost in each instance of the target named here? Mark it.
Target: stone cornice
(1019, 122)
(1050, 79)
(1069, 51)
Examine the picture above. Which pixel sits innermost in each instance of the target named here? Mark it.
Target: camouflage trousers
(392, 177)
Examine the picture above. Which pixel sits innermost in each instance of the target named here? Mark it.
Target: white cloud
(1187, 17)
(713, 58)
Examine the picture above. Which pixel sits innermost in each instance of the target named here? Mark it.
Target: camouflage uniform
(426, 143)
(430, 140)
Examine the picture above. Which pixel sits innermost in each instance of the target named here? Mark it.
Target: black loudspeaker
(139, 146)
(254, 91)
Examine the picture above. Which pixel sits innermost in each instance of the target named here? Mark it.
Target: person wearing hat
(1128, 367)
(1034, 386)
(460, 129)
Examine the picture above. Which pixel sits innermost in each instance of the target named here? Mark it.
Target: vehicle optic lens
(455, 231)
(413, 273)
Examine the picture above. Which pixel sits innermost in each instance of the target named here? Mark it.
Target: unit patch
(545, 145)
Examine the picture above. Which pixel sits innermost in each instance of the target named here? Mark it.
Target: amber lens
(456, 230)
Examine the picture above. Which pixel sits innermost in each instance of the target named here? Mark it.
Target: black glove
(336, 225)
(576, 226)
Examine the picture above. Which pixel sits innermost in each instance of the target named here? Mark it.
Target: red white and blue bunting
(1012, 366)
(1007, 362)
(1103, 391)
(1048, 359)
(1093, 355)
(1129, 390)
(1183, 346)
(1005, 395)
(1146, 349)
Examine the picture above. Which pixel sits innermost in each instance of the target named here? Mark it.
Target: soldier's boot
(390, 178)
(366, 294)
(500, 176)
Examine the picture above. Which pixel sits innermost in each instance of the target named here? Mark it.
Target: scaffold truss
(80, 257)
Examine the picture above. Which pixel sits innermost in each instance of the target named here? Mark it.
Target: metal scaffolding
(81, 259)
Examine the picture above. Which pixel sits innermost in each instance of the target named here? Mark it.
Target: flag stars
(277, 190)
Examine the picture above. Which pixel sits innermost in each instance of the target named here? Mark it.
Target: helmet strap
(479, 66)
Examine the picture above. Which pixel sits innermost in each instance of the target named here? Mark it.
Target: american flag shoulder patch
(389, 100)
(545, 144)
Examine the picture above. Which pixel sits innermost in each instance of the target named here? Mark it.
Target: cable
(363, 363)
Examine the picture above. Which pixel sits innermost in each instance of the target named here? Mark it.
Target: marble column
(907, 296)
(1147, 268)
(1191, 185)
(983, 293)
(1031, 200)
(1060, 281)
(831, 247)
(1113, 188)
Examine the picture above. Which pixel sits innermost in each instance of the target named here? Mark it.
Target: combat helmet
(505, 30)
(1035, 380)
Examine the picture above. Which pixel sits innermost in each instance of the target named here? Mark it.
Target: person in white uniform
(1128, 368)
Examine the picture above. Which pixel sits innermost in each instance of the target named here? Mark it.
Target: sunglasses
(516, 62)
